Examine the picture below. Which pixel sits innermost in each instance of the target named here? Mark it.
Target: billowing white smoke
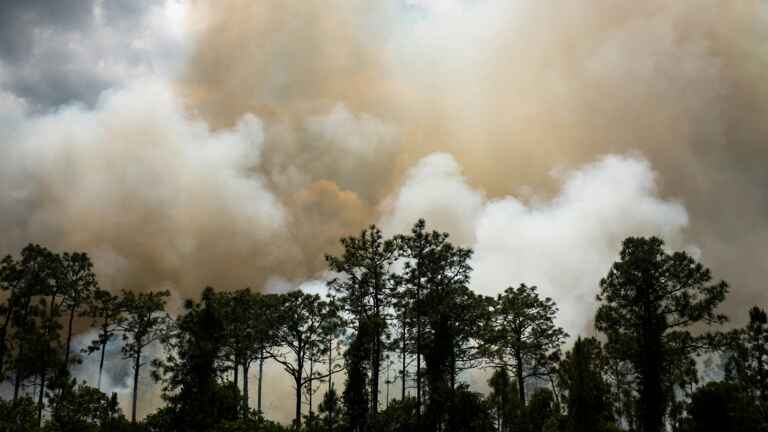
(563, 244)
(136, 181)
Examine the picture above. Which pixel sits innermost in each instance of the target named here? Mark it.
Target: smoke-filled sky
(185, 143)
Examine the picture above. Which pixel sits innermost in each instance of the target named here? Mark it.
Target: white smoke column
(562, 244)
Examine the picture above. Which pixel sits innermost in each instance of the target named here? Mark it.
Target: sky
(231, 143)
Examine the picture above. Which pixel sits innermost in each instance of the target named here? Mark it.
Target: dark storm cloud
(57, 51)
(22, 21)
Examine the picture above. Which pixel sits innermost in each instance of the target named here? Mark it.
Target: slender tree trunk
(237, 371)
(69, 338)
(499, 411)
(418, 351)
(375, 372)
(136, 366)
(404, 346)
(652, 398)
(261, 375)
(376, 354)
(101, 363)
(519, 376)
(311, 372)
(453, 369)
(246, 365)
(20, 353)
(330, 364)
(297, 418)
(41, 399)
(4, 338)
(555, 391)
(387, 381)
(17, 381)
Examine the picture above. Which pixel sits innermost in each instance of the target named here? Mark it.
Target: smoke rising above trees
(229, 144)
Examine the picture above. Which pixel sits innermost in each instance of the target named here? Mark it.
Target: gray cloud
(57, 52)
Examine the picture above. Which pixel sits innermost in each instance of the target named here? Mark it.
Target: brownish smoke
(530, 86)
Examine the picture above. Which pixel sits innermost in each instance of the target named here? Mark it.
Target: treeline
(403, 330)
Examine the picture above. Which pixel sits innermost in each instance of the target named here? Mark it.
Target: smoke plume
(231, 143)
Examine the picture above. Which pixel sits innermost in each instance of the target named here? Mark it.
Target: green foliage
(331, 412)
(19, 415)
(650, 298)
(540, 410)
(399, 416)
(467, 411)
(249, 424)
(719, 406)
(79, 408)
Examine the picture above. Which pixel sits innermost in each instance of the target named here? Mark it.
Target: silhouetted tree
(191, 369)
(18, 415)
(78, 286)
(144, 323)
(650, 298)
(79, 408)
(581, 376)
(747, 357)
(251, 324)
(720, 407)
(330, 410)
(105, 309)
(524, 335)
(505, 401)
(540, 410)
(357, 360)
(301, 338)
(365, 286)
(467, 411)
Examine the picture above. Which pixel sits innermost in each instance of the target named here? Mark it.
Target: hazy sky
(231, 142)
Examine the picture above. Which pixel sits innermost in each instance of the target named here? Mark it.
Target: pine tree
(650, 299)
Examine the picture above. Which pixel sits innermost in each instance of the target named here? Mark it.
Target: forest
(402, 330)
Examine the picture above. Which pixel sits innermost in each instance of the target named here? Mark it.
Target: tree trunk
(237, 371)
(41, 399)
(311, 376)
(101, 363)
(136, 366)
(418, 351)
(404, 347)
(376, 354)
(3, 338)
(17, 382)
(330, 364)
(453, 368)
(246, 365)
(375, 373)
(69, 338)
(651, 393)
(519, 376)
(555, 391)
(261, 374)
(297, 419)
